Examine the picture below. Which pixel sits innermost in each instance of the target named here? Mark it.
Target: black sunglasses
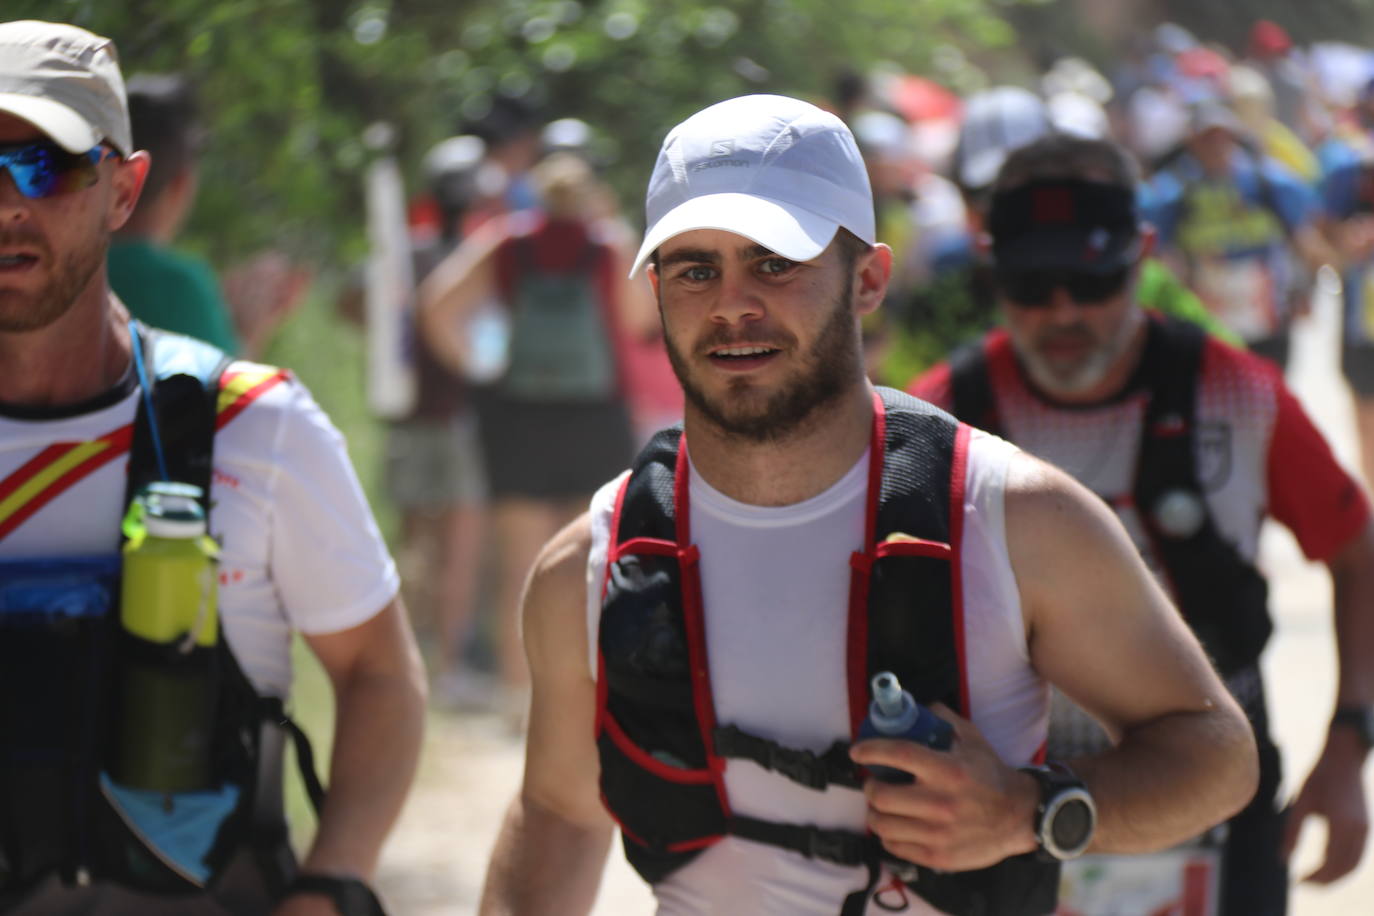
(1034, 288)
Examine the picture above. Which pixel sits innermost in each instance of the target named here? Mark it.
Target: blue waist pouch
(47, 591)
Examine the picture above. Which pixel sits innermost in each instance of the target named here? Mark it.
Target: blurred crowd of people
(1226, 188)
(1258, 172)
(540, 371)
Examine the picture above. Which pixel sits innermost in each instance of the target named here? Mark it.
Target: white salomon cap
(776, 170)
(66, 82)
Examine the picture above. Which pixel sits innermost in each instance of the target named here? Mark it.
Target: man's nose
(14, 206)
(739, 300)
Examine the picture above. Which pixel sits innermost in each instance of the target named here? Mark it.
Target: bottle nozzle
(887, 694)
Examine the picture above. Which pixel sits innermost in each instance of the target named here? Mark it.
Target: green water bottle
(169, 614)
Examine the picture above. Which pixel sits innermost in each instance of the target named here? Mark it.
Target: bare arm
(1100, 629)
(552, 847)
(1103, 631)
(1334, 790)
(454, 290)
(379, 691)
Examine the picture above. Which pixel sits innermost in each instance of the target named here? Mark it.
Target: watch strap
(351, 896)
(1055, 781)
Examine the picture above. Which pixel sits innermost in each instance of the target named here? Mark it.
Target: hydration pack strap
(1222, 595)
(971, 388)
(843, 847)
(351, 897)
(184, 389)
(806, 768)
(274, 713)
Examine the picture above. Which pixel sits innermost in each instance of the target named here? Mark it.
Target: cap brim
(792, 232)
(1069, 249)
(979, 170)
(67, 128)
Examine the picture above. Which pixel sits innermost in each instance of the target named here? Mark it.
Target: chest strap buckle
(806, 768)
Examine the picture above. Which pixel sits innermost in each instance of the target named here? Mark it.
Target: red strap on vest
(861, 564)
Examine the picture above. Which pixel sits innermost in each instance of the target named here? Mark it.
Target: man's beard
(20, 312)
(1087, 374)
(827, 369)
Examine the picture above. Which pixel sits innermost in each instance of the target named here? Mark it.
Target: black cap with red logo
(1065, 224)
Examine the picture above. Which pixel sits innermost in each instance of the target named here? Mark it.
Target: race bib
(1183, 881)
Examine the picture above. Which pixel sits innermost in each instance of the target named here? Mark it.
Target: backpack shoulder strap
(914, 591)
(184, 377)
(1222, 595)
(970, 383)
(176, 414)
(1172, 361)
(648, 504)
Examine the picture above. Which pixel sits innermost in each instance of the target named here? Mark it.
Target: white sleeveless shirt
(775, 585)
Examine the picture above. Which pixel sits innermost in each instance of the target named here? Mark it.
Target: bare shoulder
(1050, 515)
(472, 261)
(1067, 548)
(561, 763)
(556, 598)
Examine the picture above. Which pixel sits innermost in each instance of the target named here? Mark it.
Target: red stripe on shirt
(119, 440)
(248, 397)
(37, 463)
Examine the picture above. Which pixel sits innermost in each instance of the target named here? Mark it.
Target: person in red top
(556, 423)
(1193, 442)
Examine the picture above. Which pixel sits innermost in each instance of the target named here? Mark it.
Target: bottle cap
(893, 710)
(172, 510)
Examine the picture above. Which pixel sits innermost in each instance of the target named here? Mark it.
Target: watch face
(1072, 826)
(1068, 825)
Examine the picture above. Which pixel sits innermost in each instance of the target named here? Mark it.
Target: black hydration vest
(662, 751)
(60, 706)
(1221, 595)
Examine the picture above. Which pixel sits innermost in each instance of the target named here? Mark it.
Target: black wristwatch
(1066, 816)
(1361, 719)
(351, 896)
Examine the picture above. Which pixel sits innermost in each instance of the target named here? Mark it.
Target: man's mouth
(730, 353)
(744, 357)
(1065, 344)
(17, 261)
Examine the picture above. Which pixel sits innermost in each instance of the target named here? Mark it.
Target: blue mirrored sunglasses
(44, 169)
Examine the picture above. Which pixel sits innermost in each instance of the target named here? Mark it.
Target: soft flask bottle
(893, 713)
(169, 615)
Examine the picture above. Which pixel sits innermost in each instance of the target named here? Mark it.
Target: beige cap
(66, 82)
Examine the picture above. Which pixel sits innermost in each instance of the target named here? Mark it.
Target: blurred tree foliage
(1305, 21)
(289, 85)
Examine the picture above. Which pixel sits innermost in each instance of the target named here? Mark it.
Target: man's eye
(699, 273)
(776, 265)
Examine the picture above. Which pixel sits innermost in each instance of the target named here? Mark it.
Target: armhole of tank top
(602, 512)
(985, 510)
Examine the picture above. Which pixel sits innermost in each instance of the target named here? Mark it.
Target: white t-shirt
(301, 550)
(775, 585)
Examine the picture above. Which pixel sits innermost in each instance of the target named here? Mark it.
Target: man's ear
(651, 269)
(127, 177)
(873, 270)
